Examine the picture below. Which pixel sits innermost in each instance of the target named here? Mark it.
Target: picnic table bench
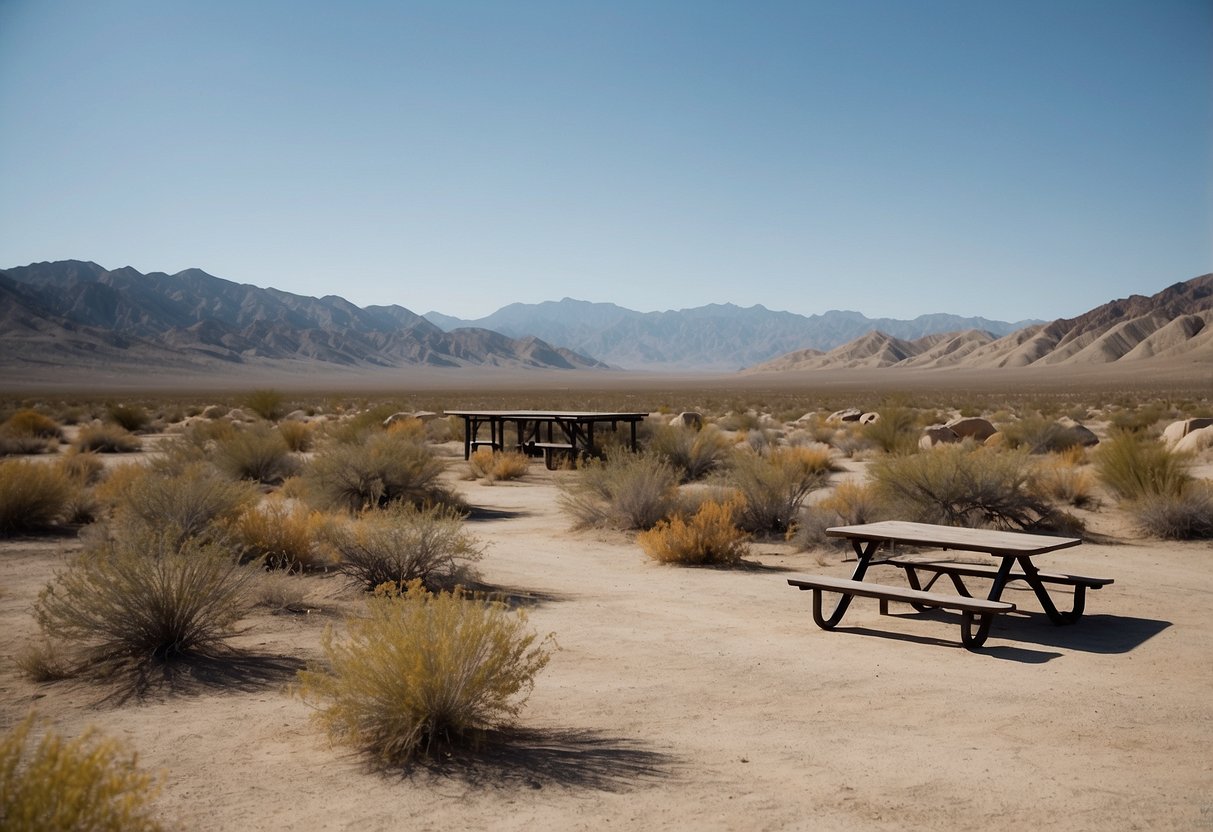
(1014, 549)
(546, 432)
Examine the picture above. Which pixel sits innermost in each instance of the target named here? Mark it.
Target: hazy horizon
(1020, 161)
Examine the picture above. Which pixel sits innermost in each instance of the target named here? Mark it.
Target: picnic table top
(548, 414)
(953, 537)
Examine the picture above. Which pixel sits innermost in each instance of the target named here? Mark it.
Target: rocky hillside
(1174, 323)
(720, 337)
(73, 313)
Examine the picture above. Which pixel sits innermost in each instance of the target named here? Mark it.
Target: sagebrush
(624, 491)
(709, 537)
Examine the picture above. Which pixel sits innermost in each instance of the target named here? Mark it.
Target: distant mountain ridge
(1176, 322)
(73, 311)
(719, 337)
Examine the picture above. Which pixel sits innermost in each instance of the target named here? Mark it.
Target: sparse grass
(282, 535)
(1132, 466)
(1184, 516)
(773, 485)
(106, 439)
(41, 661)
(420, 674)
(387, 467)
(144, 599)
(258, 453)
(491, 465)
(403, 544)
(694, 454)
(624, 491)
(955, 486)
(89, 783)
(33, 496)
(710, 536)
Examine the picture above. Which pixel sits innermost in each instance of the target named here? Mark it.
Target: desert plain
(706, 698)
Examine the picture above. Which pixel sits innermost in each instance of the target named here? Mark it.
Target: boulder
(808, 417)
(238, 415)
(996, 441)
(850, 414)
(1178, 430)
(297, 416)
(972, 426)
(214, 412)
(937, 435)
(688, 419)
(1078, 432)
(403, 416)
(869, 418)
(1196, 440)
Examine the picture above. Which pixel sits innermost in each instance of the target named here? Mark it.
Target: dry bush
(42, 661)
(420, 674)
(850, 503)
(895, 432)
(402, 544)
(106, 439)
(90, 783)
(1064, 482)
(132, 417)
(1184, 516)
(194, 503)
(144, 599)
(18, 445)
(623, 491)
(955, 486)
(693, 454)
(1132, 466)
(773, 486)
(388, 467)
(268, 404)
(491, 465)
(282, 535)
(31, 423)
(259, 454)
(710, 536)
(1038, 435)
(85, 467)
(299, 436)
(33, 496)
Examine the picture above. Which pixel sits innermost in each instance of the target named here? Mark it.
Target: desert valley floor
(690, 698)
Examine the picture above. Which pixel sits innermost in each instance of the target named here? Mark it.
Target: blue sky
(898, 157)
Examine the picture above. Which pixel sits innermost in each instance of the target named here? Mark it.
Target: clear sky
(1018, 159)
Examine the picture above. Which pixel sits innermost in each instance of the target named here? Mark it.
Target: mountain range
(79, 315)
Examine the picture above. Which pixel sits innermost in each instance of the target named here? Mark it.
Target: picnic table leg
(864, 554)
(970, 637)
(1057, 616)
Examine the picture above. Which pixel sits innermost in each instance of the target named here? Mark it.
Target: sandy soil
(707, 699)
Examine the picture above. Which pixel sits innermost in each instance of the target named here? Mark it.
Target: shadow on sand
(227, 671)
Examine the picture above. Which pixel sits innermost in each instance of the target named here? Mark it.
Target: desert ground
(703, 698)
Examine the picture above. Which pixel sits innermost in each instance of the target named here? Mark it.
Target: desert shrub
(1132, 466)
(281, 535)
(32, 423)
(1184, 516)
(850, 503)
(710, 536)
(42, 661)
(773, 486)
(693, 454)
(491, 465)
(259, 454)
(896, 431)
(144, 598)
(955, 486)
(268, 404)
(132, 417)
(746, 420)
(420, 674)
(440, 430)
(84, 467)
(623, 491)
(403, 544)
(193, 503)
(33, 496)
(106, 439)
(1038, 435)
(1140, 418)
(90, 783)
(17, 445)
(298, 436)
(1064, 482)
(386, 468)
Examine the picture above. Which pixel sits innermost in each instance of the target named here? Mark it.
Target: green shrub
(710, 536)
(623, 491)
(33, 496)
(403, 544)
(420, 674)
(1184, 516)
(143, 599)
(89, 783)
(268, 404)
(106, 439)
(132, 417)
(694, 454)
(955, 486)
(773, 486)
(387, 467)
(1132, 466)
(193, 503)
(31, 423)
(896, 431)
(259, 454)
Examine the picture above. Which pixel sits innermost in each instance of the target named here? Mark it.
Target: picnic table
(1014, 552)
(546, 432)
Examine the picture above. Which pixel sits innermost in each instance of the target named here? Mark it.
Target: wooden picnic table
(1014, 550)
(546, 432)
